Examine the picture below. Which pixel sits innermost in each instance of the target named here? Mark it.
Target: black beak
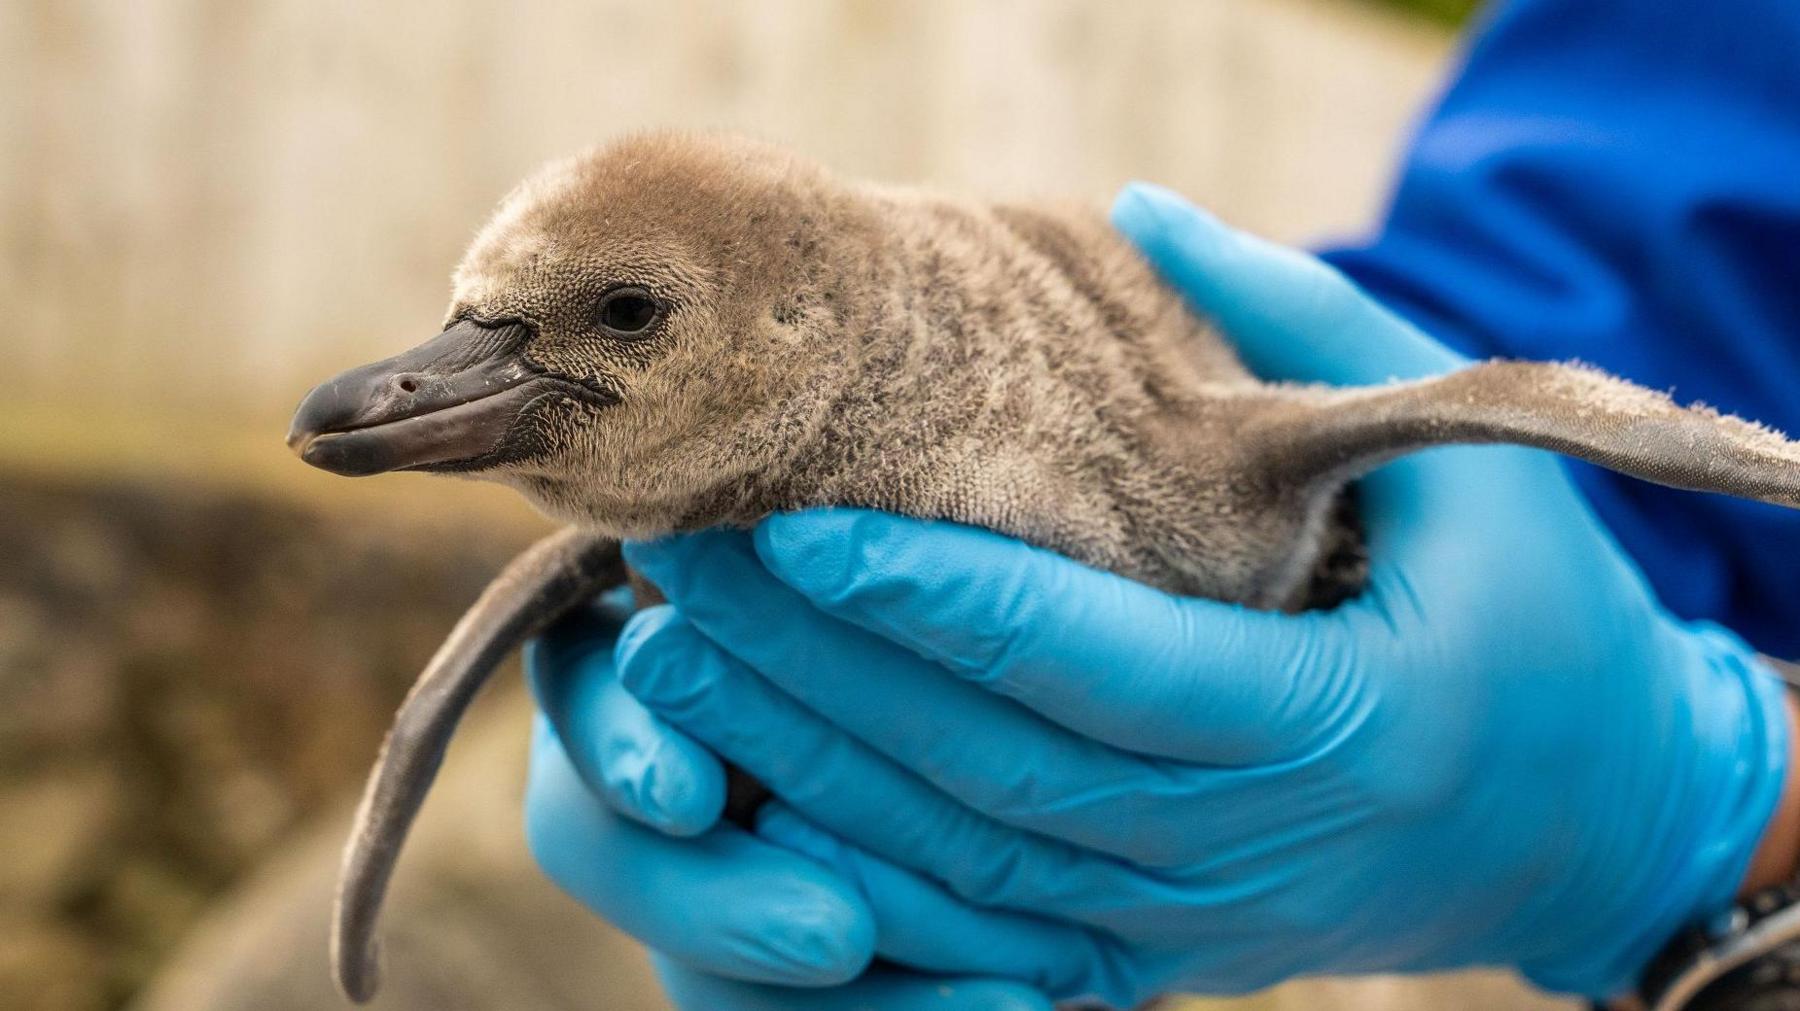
(450, 403)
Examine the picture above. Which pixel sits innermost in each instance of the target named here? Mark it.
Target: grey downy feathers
(681, 331)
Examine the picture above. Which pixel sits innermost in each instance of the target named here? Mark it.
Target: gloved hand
(733, 917)
(1503, 753)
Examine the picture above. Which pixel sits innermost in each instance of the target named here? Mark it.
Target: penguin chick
(681, 331)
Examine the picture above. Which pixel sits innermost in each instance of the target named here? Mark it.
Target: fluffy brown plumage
(816, 341)
(829, 342)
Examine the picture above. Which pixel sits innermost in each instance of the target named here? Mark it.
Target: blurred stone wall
(206, 203)
(188, 676)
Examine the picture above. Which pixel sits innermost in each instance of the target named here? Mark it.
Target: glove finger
(1113, 660)
(1292, 316)
(920, 925)
(855, 793)
(726, 902)
(880, 989)
(641, 766)
(988, 753)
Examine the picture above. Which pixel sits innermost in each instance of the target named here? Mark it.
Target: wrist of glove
(1748, 958)
(1005, 769)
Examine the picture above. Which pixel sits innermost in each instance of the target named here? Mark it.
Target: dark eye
(628, 312)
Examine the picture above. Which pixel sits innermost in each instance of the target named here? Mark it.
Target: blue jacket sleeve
(1619, 181)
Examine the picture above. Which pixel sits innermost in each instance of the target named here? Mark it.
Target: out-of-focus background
(206, 205)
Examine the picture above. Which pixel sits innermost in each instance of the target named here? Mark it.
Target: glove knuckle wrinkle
(1006, 644)
(996, 878)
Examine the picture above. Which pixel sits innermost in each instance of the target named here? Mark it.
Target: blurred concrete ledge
(209, 207)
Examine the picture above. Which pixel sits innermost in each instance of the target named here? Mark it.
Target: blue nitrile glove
(749, 915)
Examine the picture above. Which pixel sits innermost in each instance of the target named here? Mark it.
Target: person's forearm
(1778, 854)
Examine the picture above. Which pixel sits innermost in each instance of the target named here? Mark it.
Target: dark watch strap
(1751, 960)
